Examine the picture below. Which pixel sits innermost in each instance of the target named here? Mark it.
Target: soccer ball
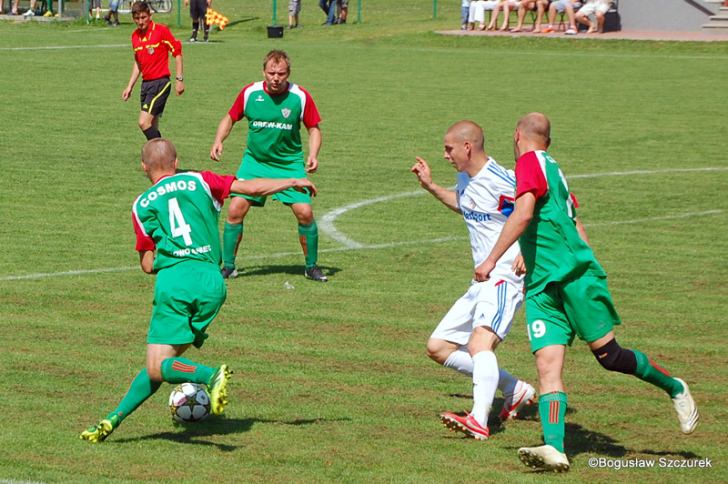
(189, 402)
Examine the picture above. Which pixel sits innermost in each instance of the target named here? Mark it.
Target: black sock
(152, 133)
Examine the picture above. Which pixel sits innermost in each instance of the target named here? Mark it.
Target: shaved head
(158, 154)
(535, 127)
(469, 131)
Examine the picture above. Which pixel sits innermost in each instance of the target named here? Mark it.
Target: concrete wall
(675, 15)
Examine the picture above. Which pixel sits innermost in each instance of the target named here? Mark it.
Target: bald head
(159, 157)
(536, 127)
(469, 131)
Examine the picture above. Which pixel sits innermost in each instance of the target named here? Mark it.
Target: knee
(436, 350)
(613, 357)
(154, 370)
(304, 215)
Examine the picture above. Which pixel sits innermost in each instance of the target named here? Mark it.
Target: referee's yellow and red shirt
(151, 50)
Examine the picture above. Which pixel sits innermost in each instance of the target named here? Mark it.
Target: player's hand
(422, 170)
(519, 265)
(216, 151)
(304, 185)
(125, 94)
(482, 272)
(179, 87)
(311, 164)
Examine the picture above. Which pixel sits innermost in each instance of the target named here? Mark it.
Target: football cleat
(544, 458)
(687, 411)
(315, 274)
(467, 425)
(99, 432)
(217, 387)
(229, 272)
(524, 394)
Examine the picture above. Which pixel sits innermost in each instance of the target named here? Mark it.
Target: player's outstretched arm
(179, 84)
(268, 186)
(223, 130)
(132, 80)
(448, 197)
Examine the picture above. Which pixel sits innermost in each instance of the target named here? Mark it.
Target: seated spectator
(477, 12)
(596, 7)
(506, 6)
(561, 6)
(539, 6)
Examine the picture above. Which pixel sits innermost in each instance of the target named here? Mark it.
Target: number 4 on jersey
(177, 223)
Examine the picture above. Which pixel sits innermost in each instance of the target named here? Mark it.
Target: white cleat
(687, 411)
(524, 394)
(544, 458)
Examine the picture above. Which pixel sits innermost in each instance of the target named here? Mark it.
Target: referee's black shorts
(154, 95)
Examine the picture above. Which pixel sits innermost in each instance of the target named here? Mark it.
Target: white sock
(507, 383)
(485, 382)
(460, 360)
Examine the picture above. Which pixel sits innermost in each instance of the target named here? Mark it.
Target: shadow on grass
(195, 433)
(296, 270)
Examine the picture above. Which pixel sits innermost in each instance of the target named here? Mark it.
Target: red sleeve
(143, 241)
(174, 45)
(574, 200)
(530, 176)
(219, 184)
(237, 111)
(311, 116)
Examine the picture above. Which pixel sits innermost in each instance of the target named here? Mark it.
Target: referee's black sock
(152, 133)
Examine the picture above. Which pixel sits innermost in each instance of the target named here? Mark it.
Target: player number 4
(177, 223)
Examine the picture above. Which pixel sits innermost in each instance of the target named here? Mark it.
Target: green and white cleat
(544, 458)
(99, 432)
(687, 411)
(217, 387)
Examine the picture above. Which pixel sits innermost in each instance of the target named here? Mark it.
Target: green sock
(141, 388)
(651, 372)
(181, 370)
(231, 236)
(552, 409)
(308, 234)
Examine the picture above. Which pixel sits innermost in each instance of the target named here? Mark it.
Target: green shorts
(187, 297)
(581, 307)
(250, 169)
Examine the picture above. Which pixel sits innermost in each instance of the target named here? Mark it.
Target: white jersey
(486, 200)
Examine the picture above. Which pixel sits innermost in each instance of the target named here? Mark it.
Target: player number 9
(538, 328)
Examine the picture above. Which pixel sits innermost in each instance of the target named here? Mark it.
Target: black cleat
(315, 274)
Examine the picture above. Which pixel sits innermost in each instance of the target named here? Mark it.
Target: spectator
(561, 6)
(598, 8)
(477, 12)
(94, 5)
(294, 9)
(28, 13)
(539, 6)
(506, 6)
(198, 9)
(342, 11)
(329, 8)
(113, 12)
(465, 12)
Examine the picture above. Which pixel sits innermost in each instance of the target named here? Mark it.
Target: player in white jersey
(469, 333)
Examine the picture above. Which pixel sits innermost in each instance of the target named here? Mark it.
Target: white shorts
(491, 304)
(595, 7)
(478, 8)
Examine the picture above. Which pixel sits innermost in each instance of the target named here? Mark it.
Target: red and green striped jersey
(152, 49)
(551, 246)
(274, 121)
(178, 217)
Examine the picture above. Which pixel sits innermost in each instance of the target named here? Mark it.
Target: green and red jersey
(274, 121)
(151, 50)
(178, 216)
(551, 246)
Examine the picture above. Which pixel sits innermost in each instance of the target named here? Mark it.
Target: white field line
(62, 47)
(326, 224)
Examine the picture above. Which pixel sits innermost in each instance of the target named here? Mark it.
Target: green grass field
(331, 381)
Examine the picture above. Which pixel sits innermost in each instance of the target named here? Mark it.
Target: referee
(152, 43)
